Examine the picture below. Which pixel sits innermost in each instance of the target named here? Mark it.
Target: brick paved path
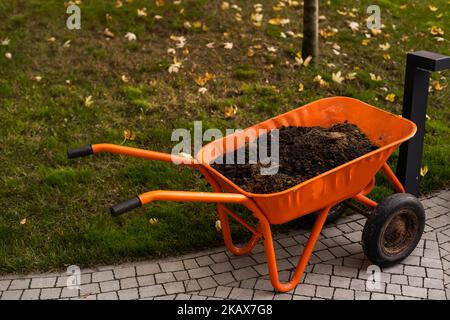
(337, 270)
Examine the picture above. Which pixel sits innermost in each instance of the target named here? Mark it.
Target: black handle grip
(80, 152)
(125, 206)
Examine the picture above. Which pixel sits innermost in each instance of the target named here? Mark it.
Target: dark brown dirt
(304, 152)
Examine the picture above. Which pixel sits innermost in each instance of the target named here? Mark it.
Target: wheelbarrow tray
(384, 129)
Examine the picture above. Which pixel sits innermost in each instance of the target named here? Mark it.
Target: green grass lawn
(63, 88)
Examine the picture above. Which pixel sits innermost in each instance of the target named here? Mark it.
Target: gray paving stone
(263, 295)
(340, 282)
(323, 269)
(4, 284)
(435, 273)
(219, 257)
(393, 288)
(242, 262)
(172, 266)
(121, 273)
(50, 293)
(324, 292)
(31, 294)
(151, 291)
(414, 292)
(191, 285)
(381, 296)
(200, 272)
(43, 282)
(147, 268)
(108, 286)
(317, 279)
(204, 261)
(358, 284)
(181, 275)
(107, 296)
(222, 292)
(128, 283)
(345, 271)
(146, 280)
(164, 277)
(102, 276)
(241, 294)
(244, 273)
(224, 278)
(18, 284)
(190, 264)
(128, 294)
(11, 295)
(174, 287)
(89, 289)
(69, 293)
(343, 294)
(436, 294)
(433, 283)
(221, 267)
(399, 279)
(207, 283)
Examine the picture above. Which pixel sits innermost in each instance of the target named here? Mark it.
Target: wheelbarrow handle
(134, 152)
(186, 196)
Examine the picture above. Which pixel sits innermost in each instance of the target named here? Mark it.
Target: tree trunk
(310, 46)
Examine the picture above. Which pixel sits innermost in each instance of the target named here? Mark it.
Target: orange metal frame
(263, 228)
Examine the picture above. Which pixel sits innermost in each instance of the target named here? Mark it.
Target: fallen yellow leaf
(124, 78)
(437, 86)
(365, 42)
(153, 221)
(108, 33)
(336, 77)
(350, 76)
(159, 3)
(374, 77)
(301, 87)
(23, 221)
(384, 46)
(390, 97)
(218, 225)
(230, 111)
(436, 31)
(423, 171)
(129, 134)
(88, 101)
(386, 56)
(307, 61)
(432, 8)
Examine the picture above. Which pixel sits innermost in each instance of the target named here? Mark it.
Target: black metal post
(418, 67)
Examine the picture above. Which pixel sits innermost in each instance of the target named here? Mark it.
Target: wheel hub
(399, 231)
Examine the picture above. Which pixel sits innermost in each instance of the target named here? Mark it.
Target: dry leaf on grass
(390, 97)
(129, 134)
(336, 77)
(230, 111)
(88, 101)
(423, 171)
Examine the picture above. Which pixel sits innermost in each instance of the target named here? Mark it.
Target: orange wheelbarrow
(391, 232)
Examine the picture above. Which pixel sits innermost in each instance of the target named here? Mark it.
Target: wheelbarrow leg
(303, 261)
(226, 233)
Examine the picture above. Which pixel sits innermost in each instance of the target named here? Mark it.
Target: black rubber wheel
(333, 215)
(393, 230)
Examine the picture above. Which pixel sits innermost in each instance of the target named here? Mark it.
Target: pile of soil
(304, 152)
